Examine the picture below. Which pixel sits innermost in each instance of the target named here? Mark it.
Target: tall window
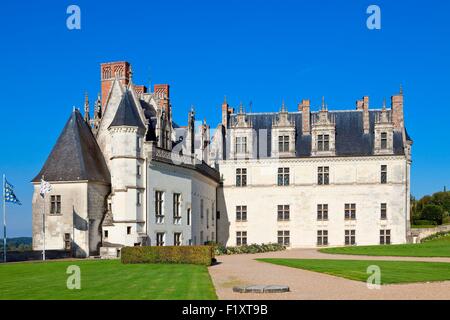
(159, 212)
(138, 198)
(323, 175)
(350, 237)
(128, 230)
(283, 143)
(383, 211)
(383, 140)
(241, 144)
(241, 238)
(384, 174)
(283, 212)
(213, 214)
(241, 177)
(138, 170)
(241, 213)
(55, 204)
(138, 144)
(284, 238)
(201, 209)
(176, 208)
(322, 212)
(68, 242)
(322, 237)
(350, 211)
(177, 239)
(188, 217)
(207, 218)
(283, 176)
(160, 239)
(385, 236)
(323, 142)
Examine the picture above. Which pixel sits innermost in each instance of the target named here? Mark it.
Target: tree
(433, 212)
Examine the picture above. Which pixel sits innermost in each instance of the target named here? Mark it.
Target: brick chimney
(397, 111)
(162, 92)
(140, 89)
(108, 72)
(365, 108)
(359, 104)
(225, 112)
(305, 108)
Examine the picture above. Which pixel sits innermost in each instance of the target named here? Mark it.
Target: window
(383, 211)
(138, 198)
(160, 239)
(138, 170)
(322, 237)
(105, 233)
(55, 204)
(350, 211)
(138, 144)
(207, 218)
(241, 213)
(350, 237)
(128, 230)
(176, 208)
(241, 144)
(283, 143)
(201, 209)
(323, 175)
(323, 142)
(159, 206)
(177, 239)
(322, 212)
(385, 236)
(384, 174)
(67, 242)
(188, 217)
(383, 140)
(283, 238)
(213, 213)
(283, 212)
(283, 176)
(241, 177)
(241, 238)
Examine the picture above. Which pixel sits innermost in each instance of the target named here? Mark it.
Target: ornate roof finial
(131, 74)
(283, 107)
(384, 104)
(323, 104)
(401, 89)
(86, 107)
(241, 107)
(224, 99)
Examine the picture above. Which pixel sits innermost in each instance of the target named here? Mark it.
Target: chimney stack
(162, 92)
(397, 111)
(366, 121)
(108, 72)
(226, 111)
(305, 108)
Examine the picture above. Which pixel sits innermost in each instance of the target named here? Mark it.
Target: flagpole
(43, 225)
(4, 220)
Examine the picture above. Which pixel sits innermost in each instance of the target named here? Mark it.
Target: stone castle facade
(131, 176)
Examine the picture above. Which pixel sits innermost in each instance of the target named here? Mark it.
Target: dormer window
(283, 144)
(323, 142)
(384, 140)
(241, 144)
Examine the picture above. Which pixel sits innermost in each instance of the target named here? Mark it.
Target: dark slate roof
(127, 113)
(350, 137)
(76, 155)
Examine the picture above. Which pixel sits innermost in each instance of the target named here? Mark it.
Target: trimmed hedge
(424, 223)
(202, 255)
(253, 248)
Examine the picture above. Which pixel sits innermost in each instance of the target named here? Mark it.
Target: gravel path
(304, 285)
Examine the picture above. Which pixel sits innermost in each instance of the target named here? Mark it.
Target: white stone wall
(352, 180)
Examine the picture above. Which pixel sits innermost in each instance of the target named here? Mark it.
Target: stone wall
(418, 234)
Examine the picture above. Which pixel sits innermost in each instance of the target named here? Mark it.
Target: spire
(224, 99)
(401, 89)
(241, 108)
(283, 107)
(86, 107)
(384, 104)
(324, 106)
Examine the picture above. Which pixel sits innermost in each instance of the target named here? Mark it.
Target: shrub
(433, 212)
(425, 223)
(252, 248)
(436, 236)
(202, 255)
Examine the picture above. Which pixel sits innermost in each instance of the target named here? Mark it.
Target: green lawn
(106, 279)
(434, 248)
(391, 271)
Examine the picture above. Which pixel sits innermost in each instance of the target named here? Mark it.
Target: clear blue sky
(260, 51)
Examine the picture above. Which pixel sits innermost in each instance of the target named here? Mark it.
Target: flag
(46, 187)
(8, 191)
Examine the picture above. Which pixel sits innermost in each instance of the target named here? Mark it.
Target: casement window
(283, 143)
(283, 176)
(188, 217)
(284, 238)
(128, 230)
(283, 213)
(176, 208)
(241, 213)
(138, 170)
(385, 236)
(241, 177)
(322, 212)
(213, 214)
(201, 209)
(241, 145)
(350, 237)
(159, 206)
(67, 242)
(105, 234)
(160, 239)
(323, 175)
(177, 239)
(322, 237)
(350, 211)
(207, 218)
(55, 204)
(384, 174)
(241, 238)
(383, 211)
(323, 142)
(138, 198)
(383, 140)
